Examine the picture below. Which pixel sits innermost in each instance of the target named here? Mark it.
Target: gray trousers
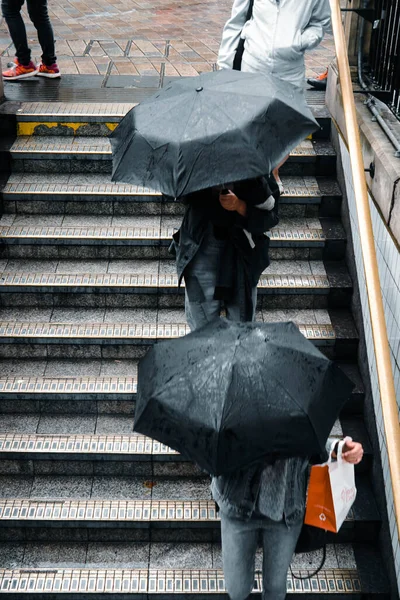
(200, 280)
(239, 546)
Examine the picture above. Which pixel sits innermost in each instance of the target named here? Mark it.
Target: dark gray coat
(197, 217)
(237, 493)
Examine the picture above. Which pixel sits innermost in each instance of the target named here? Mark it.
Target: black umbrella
(209, 130)
(231, 393)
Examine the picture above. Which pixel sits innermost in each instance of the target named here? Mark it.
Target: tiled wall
(389, 271)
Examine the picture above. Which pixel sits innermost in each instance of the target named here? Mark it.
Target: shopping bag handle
(341, 445)
(317, 570)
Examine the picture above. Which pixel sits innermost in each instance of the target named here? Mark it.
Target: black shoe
(319, 83)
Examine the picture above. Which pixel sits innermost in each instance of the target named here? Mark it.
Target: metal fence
(384, 58)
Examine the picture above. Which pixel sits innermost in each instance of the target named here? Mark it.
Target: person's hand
(229, 201)
(352, 451)
(232, 203)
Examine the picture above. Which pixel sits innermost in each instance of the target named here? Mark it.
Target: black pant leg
(39, 16)
(11, 11)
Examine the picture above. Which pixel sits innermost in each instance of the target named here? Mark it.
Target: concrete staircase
(87, 508)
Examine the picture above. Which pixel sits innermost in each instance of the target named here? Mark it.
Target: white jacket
(277, 36)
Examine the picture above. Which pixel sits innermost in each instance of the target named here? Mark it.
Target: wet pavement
(164, 38)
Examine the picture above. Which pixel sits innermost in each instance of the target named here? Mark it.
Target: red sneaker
(49, 71)
(20, 71)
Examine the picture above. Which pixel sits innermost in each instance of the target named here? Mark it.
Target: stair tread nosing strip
(152, 280)
(140, 233)
(11, 329)
(109, 510)
(97, 145)
(112, 510)
(173, 581)
(78, 385)
(87, 444)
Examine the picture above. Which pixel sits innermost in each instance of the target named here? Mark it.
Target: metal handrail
(378, 323)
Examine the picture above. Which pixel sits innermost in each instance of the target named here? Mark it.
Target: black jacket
(240, 257)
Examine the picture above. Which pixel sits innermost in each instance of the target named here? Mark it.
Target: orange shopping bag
(331, 493)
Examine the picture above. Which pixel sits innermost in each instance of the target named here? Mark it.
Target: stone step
(188, 583)
(32, 193)
(152, 283)
(129, 570)
(48, 237)
(93, 155)
(137, 330)
(62, 118)
(101, 118)
(149, 516)
(39, 445)
(100, 455)
(84, 386)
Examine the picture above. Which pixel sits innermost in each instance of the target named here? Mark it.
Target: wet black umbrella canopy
(208, 130)
(233, 393)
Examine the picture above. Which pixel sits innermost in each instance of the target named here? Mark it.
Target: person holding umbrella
(266, 500)
(249, 403)
(188, 141)
(221, 248)
(276, 34)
